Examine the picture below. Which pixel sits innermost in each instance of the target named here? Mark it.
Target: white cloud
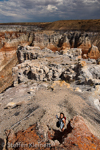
(90, 1)
(51, 7)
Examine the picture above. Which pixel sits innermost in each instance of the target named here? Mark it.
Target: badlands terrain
(45, 69)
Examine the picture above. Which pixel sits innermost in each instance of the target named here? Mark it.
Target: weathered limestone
(38, 65)
(57, 41)
(74, 53)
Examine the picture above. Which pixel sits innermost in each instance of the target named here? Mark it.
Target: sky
(48, 10)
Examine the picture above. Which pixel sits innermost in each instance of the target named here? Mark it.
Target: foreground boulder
(80, 136)
(76, 136)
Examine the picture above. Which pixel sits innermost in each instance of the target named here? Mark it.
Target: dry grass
(83, 25)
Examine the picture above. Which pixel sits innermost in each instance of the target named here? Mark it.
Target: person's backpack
(65, 118)
(58, 124)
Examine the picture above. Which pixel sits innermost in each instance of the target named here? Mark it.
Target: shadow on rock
(1, 144)
(58, 135)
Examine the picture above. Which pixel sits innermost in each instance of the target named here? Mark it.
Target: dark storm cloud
(48, 10)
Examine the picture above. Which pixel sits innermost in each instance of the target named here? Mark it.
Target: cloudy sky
(48, 10)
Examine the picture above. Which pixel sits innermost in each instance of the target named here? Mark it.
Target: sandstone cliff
(9, 42)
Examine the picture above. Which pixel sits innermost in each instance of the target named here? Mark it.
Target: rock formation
(58, 41)
(93, 53)
(49, 72)
(76, 136)
(13, 36)
(45, 65)
(9, 42)
(39, 65)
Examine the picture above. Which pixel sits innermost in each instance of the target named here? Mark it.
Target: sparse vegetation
(81, 25)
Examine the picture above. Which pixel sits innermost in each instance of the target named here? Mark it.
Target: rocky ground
(45, 84)
(42, 74)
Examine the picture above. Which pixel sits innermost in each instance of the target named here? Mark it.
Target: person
(61, 121)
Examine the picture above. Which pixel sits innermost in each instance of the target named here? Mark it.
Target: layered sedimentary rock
(9, 43)
(58, 41)
(8, 58)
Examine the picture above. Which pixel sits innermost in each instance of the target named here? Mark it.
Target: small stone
(84, 56)
(57, 142)
(97, 103)
(10, 104)
(78, 89)
(52, 143)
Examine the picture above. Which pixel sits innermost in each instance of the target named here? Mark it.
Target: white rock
(52, 143)
(46, 69)
(10, 104)
(97, 103)
(13, 104)
(57, 142)
(78, 90)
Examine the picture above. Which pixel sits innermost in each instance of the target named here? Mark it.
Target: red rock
(29, 139)
(76, 137)
(9, 42)
(66, 45)
(85, 46)
(80, 137)
(94, 53)
(52, 47)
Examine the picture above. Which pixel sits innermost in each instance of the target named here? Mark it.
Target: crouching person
(61, 121)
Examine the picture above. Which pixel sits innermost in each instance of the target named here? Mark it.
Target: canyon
(45, 69)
